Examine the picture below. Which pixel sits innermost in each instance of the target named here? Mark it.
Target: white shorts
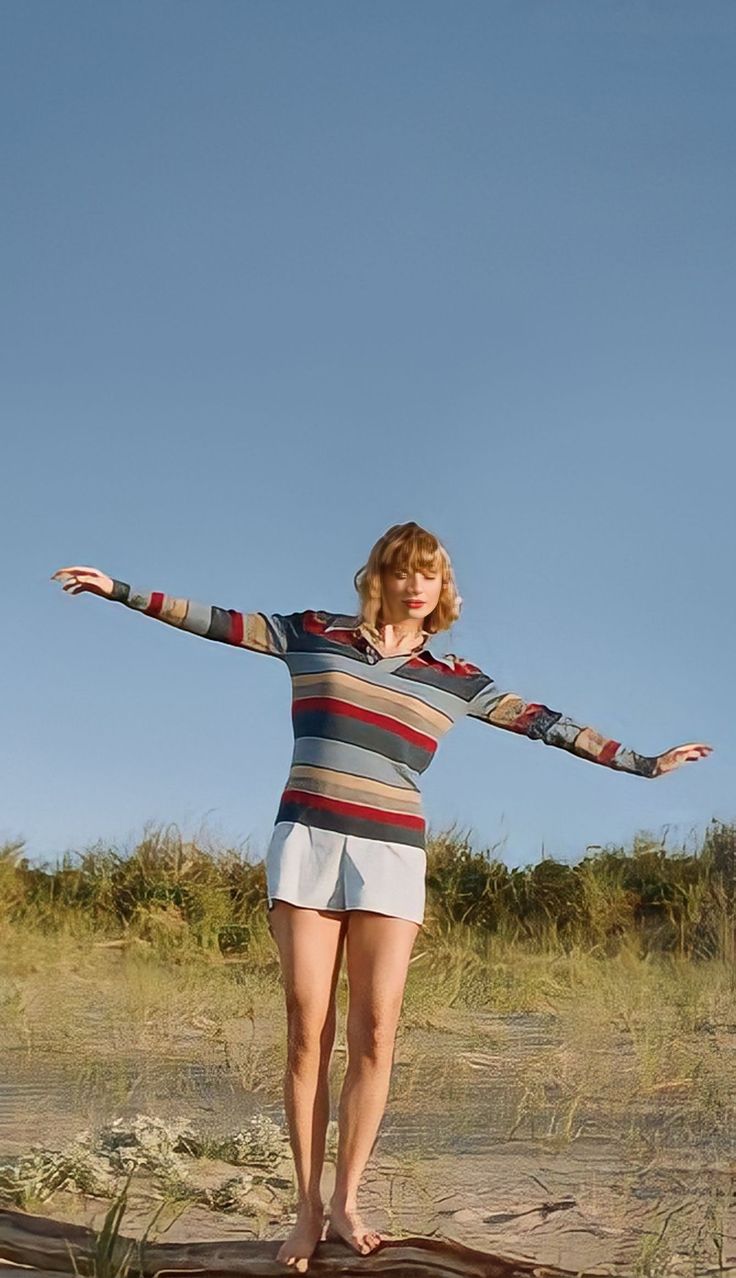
(323, 870)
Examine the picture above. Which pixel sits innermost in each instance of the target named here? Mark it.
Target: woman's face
(400, 587)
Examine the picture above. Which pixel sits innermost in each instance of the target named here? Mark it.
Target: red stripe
(312, 623)
(353, 809)
(334, 705)
(156, 604)
(608, 751)
(236, 626)
(463, 667)
(527, 716)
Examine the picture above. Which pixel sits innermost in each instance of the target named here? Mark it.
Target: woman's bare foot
(301, 1242)
(345, 1223)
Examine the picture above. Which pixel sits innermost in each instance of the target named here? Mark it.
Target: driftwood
(48, 1245)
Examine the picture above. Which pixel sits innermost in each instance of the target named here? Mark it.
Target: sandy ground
(590, 1205)
(586, 1208)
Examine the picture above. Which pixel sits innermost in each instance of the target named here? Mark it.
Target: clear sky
(278, 275)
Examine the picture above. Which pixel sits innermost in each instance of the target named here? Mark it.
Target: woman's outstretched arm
(532, 719)
(259, 631)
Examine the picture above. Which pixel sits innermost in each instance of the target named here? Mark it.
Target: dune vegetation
(163, 949)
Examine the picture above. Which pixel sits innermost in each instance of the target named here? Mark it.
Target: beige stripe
(324, 781)
(507, 710)
(256, 633)
(591, 742)
(402, 798)
(174, 610)
(359, 692)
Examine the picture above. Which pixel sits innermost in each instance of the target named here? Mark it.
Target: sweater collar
(351, 622)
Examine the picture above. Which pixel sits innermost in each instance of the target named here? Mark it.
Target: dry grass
(633, 1032)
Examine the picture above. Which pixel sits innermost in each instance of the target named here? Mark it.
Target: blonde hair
(406, 546)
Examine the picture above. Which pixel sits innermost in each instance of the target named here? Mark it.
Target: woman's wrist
(120, 591)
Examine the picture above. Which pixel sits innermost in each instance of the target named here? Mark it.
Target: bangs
(407, 548)
(412, 548)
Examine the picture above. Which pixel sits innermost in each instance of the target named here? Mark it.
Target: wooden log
(48, 1245)
(9, 1270)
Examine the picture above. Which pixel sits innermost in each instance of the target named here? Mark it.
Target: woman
(346, 861)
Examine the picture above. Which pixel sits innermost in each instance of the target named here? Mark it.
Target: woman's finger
(688, 754)
(74, 568)
(680, 755)
(74, 581)
(80, 576)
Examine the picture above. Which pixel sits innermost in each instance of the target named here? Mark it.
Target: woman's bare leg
(310, 944)
(378, 948)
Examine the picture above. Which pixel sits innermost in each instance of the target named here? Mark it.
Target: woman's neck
(398, 632)
(391, 637)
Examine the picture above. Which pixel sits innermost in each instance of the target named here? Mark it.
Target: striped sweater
(366, 726)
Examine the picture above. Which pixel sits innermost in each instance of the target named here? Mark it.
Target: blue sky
(278, 275)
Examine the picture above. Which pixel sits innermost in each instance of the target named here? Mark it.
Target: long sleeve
(269, 633)
(532, 719)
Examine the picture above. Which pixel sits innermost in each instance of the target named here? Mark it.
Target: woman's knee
(372, 1038)
(310, 1031)
(378, 952)
(310, 945)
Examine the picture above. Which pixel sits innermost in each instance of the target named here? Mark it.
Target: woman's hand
(75, 580)
(678, 755)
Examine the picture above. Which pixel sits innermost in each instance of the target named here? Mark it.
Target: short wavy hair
(406, 546)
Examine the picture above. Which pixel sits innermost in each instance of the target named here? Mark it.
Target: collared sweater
(366, 726)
